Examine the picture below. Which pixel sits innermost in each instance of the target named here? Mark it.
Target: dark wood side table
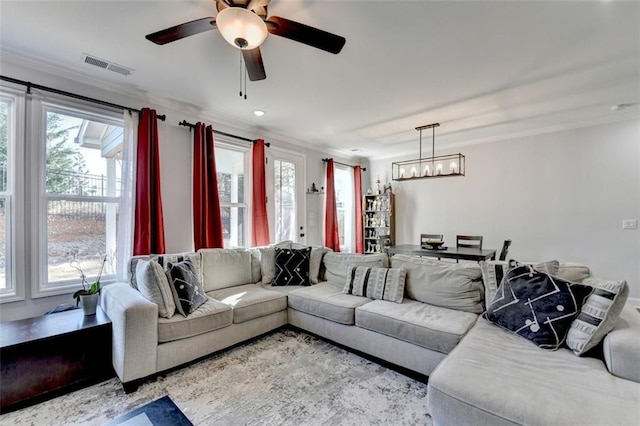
(47, 356)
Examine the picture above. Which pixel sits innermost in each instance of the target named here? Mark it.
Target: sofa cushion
(153, 284)
(598, 315)
(210, 316)
(336, 265)
(494, 377)
(376, 283)
(621, 346)
(494, 270)
(222, 268)
(250, 301)
(429, 326)
(449, 285)
(537, 306)
(292, 266)
(185, 286)
(574, 272)
(326, 301)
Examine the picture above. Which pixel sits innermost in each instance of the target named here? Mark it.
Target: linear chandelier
(429, 167)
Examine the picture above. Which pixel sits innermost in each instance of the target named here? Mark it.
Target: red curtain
(331, 238)
(207, 218)
(148, 234)
(260, 235)
(357, 184)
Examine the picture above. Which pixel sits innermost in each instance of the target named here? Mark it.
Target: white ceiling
(485, 70)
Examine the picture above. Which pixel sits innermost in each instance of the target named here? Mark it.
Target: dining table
(458, 253)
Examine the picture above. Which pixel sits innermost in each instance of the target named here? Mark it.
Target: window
(344, 203)
(7, 138)
(230, 167)
(79, 156)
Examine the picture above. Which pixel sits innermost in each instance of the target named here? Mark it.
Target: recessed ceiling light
(258, 113)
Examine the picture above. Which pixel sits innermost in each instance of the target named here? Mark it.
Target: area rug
(161, 412)
(285, 378)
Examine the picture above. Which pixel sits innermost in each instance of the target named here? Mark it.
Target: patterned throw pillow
(153, 284)
(536, 305)
(292, 266)
(494, 270)
(598, 315)
(185, 286)
(376, 283)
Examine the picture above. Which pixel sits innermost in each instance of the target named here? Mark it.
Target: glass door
(286, 196)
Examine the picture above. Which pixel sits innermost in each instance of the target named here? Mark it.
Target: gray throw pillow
(185, 286)
(268, 261)
(376, 283)
(153, 284)
(598, 315)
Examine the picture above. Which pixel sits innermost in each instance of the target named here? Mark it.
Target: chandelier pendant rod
(433, 148)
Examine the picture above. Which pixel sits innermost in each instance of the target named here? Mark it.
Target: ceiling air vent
(101, 63)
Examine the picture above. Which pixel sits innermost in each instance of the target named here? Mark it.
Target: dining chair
(505, 249)
(470, 241)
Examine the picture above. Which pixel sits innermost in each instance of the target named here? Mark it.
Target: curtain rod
(191, 126)
(326, 160)
(30, 85)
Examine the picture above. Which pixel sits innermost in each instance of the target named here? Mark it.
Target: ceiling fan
(244, 24)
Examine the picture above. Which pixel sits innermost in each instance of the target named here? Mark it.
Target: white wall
(557, 196)
(175, 163)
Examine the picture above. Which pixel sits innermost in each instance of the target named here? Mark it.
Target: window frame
(14, 207)
(36, 178)
(347, 244)
(227, 144)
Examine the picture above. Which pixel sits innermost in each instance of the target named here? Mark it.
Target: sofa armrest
(135, 331)
(622, 346)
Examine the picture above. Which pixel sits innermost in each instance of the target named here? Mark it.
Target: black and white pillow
(376, 283)
(185, 286)
(292, 266)
(493, 271)
(536, 305)
(598, 315)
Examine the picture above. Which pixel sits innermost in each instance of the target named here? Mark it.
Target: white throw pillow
(598, 315)
(153, 284)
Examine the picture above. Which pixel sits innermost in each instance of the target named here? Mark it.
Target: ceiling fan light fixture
(241, 28)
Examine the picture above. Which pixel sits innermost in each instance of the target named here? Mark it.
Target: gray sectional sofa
(478, 373)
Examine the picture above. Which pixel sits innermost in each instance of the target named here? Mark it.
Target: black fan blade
(183, 30)
(305, 34)
(253, 62)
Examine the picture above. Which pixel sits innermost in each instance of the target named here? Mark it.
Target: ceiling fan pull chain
(240, 75)
(245, 83)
